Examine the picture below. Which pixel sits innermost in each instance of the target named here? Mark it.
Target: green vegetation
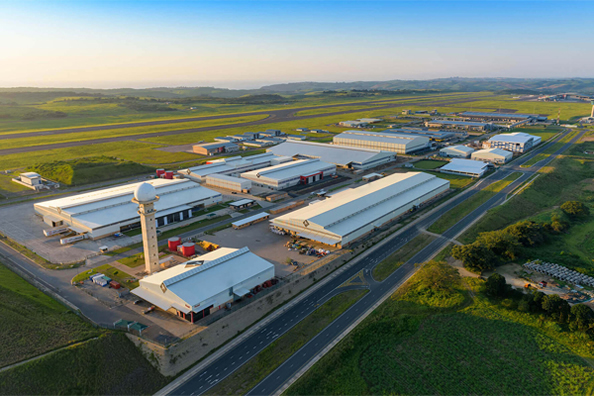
(537, 158)
(451, 217)
(276, 353)
(456, 181)
(89, 170)
(429, 164)
(109, 365)
(119, 276)
(33, 323)
(431, 338)
(133, 261)
(395, 260)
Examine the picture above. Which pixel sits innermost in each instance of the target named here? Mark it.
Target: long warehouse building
(290, 174)
(385, 141)
(492, 155)
(101, 213)
(341, 156)
(466, 167)
(199, 287)
(517, 142)
(351, 214)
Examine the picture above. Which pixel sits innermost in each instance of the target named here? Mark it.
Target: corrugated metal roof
(467, 123)
(250, 219)
(464, 149)
(498, 115)
(288, 170)
(466, 166)
(516, 137)
(493, 152)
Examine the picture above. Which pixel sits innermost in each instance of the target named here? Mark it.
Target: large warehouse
(232, 166)
(465, 125)
(101, 213)
(229, 182)
(201, 286)
(290, 174)
(459, 151)
(215, 148)
(341, 156)
(492, 155)
(386, 141)
(501, 117)
(517, 142)
(466, 167)
(350, 214)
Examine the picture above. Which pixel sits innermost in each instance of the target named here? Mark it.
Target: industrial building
(437, 136)
(279, 177)
(341, 156)
(227, 182)
(517, 142)
(101, 213)
(201, 286)
(465, 125)
(215, 148)
(370, 120)
(501, 117)
(351, 214)
(492, 155)
(353, 124)
(466, 167)
(456, 151)
(395, 142)
(232, 166)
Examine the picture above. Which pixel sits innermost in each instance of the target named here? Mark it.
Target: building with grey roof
(289, 174)
(385, 141)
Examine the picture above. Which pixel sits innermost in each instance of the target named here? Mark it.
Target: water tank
(188, 249)
(173, 243)
(160, 172)
(168, 174)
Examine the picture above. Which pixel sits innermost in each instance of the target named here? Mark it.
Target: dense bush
(575, 209)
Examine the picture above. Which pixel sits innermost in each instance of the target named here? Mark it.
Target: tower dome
(145, 193)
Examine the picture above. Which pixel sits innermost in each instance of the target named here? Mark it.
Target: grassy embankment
(395, 260)
(435, 337)
(566, 178)
(550, 150)
(123, 278)
(451, 217)
(255, 370)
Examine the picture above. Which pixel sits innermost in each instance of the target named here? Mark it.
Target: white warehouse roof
(332, 153)
(229, 165)
(205, 281)
(459, 149)
(387, 141)
(101, 208)
(349, 214)
(516, 137)
(466, 166)
(287, 170)
(492, 153)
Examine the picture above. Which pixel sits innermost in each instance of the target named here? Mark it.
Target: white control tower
(146, 196)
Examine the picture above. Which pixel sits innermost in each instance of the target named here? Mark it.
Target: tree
(496, 285)
(501, 243)
(476, 257)
(575, 209)
(527, 233)
(556, 307)
(581, 318)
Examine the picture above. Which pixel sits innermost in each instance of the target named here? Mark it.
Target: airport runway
(204, 379)
(274, 116)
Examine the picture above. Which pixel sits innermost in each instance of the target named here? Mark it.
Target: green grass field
(392, 263)
(281, 349)
(456, 181)
(33, 323)
(451, 217)
(110, 365)
(119, 276)
(432, 337)
(429, 164)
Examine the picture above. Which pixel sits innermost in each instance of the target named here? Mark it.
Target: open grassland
(451, 217)
(456, 181)
(109, 365)
(395, 260)
(131, 151)
(551, 149)
(32, 323)
(281, 349)
(81, 136)
(432, 337)
(89, 170)
(6, 184)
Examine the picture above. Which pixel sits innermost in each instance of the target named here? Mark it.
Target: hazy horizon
(236, 44)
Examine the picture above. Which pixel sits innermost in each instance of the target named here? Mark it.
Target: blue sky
(250, 43)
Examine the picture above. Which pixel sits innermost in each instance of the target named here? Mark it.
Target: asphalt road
(205, 379)
(274, 116)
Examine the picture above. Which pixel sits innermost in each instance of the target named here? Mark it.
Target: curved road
(201, 379)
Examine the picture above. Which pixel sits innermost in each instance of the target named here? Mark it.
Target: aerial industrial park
(237, 223)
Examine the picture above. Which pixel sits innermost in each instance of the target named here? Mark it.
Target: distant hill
(506, 85)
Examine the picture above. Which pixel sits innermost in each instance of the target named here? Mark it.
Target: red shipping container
(168, 174)
(114, 284)
(160, 172)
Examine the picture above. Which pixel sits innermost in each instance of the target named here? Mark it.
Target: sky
(247, 44)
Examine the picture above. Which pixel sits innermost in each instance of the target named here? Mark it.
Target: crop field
(110, 365)
(276, 353)
(436, 339)
(32, 322)
(395, 260)
(450, 218)
(429, 164)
